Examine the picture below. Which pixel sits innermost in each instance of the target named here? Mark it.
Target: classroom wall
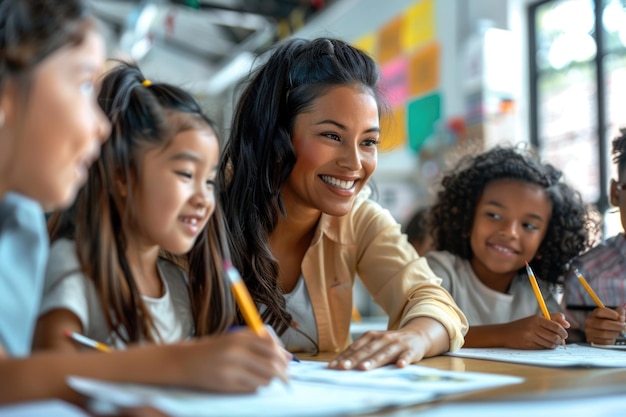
(456, 21)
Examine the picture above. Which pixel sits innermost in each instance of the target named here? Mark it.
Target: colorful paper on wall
(423, 73)
(393, 127)
(419, 25)
(409, 57)
(368, 44)
(422, 115)
(394, 82)
(390, 47)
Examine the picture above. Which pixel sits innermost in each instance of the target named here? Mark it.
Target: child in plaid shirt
(604, 268)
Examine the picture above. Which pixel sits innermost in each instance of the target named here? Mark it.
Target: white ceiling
(201, 44)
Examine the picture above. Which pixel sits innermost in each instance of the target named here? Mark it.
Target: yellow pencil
(533, 282)
(589, 289)
(244, 300)
(356, 315)
(85, 341)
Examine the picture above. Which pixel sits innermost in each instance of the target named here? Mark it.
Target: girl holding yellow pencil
(138, 258)
(494, 212)
(51, 128)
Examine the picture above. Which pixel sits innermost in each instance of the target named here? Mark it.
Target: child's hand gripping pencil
(244, 301)
(620, 310)
(538, 295)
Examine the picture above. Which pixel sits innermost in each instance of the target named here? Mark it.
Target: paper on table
(615, 347)
(301, 399)
(55, 408)
(313, 390)
(603, 406)
(410, 378)
(574, 355)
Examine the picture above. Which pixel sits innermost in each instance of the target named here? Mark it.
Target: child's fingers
(555, 326)
(606, 314)
(560, 318)
(549, 339)
(621, 310)
(604, 325)
(547, 334)
(601, 337)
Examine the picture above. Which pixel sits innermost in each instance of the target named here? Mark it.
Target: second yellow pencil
(588, 288)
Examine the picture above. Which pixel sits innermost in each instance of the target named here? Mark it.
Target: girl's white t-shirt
(66, 287)
(481, 304)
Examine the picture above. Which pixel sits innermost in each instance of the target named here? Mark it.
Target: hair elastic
(146, 83)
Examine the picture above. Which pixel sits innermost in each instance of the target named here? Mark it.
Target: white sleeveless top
(303, 321)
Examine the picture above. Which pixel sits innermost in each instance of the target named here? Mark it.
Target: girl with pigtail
(138, 258)
(51, 130)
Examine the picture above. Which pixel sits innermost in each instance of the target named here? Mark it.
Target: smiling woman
(335, 147)
(302, 148)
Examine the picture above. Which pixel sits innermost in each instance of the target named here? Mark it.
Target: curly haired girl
(494, 212)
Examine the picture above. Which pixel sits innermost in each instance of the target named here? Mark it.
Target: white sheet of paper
(312, 391)
(614, 347)
(55, 408)
(410, 378)
(601, 406)
(300, 398)
(573, 355)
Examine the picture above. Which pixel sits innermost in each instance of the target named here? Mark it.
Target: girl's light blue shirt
(23, 254)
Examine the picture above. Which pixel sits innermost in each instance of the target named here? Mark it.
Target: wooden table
(539, 382)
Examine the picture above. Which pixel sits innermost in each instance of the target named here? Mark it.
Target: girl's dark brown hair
(142, 117)
(30, 31)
